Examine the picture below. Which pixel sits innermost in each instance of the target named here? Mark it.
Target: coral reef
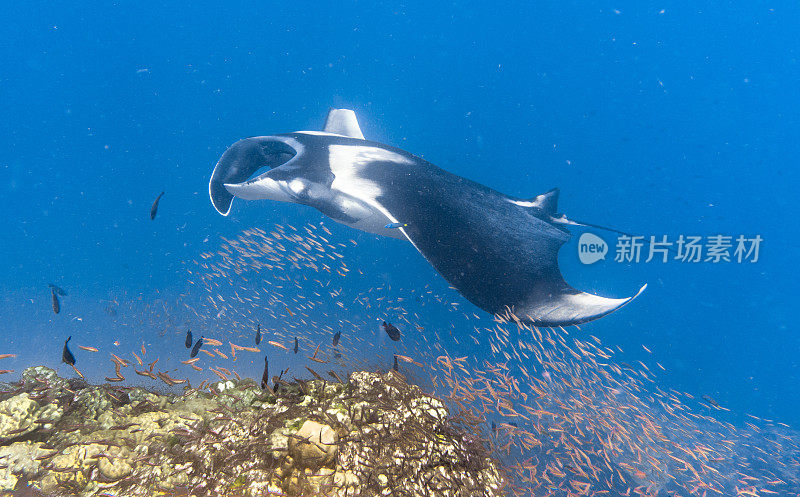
(372, 435)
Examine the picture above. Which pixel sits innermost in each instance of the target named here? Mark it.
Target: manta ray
(498, 251)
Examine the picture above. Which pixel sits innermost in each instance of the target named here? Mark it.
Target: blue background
(651, 118)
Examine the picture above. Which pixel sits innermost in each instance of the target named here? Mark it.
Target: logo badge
(591, 248)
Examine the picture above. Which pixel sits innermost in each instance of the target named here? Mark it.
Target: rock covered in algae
(373, 435)
(21, 415)
(314, 444)
(20, 461)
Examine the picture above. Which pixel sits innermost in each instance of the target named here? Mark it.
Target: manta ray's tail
(562, 219)
(571, 222)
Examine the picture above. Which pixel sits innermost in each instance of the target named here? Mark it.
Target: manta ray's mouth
(275, 154)
(246, 161)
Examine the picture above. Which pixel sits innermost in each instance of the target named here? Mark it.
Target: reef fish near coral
(66, 354)
(265, 374)
(392, 331)
(196, 348)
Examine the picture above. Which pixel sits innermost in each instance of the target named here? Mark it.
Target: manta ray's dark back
(499, 252)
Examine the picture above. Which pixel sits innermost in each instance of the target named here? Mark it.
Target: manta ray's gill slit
(563, 412)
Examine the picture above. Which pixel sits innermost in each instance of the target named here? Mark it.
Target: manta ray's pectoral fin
(343, 122)
(570, 307)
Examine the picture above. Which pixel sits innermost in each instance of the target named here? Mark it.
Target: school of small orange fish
(558, 408)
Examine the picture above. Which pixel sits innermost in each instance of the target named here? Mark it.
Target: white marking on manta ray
(296, 186)
(320, 133)
(264, 188)
(346, 161)
(521, 203)
(298, 147)
(562, 306)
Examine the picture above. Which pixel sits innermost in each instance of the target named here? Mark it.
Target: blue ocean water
(652, 118)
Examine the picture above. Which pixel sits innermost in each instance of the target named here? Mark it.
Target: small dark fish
(711, 401)
(392, 331)
(258, 334)
(315, 374)
(56, 303)
(494, 427)
(188, 338)
(296, 344)
(336, 338)
(265, 376)
(396, 367)
(196, 348)
(154, 208)
(66, 354)
(392, 226)
(57, 289)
